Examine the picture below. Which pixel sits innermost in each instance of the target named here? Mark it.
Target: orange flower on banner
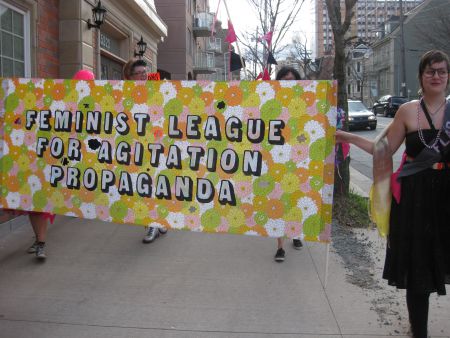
(139, 94)
(275, 209)
(59, 91)
(207, 97)
(117, 95)
(309, 98)
(233, 96)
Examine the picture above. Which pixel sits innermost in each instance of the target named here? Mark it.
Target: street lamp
(98, 16)
(142, 47)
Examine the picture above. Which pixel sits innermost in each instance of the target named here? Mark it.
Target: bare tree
(340, 28)
(301, 55)
(277, 16)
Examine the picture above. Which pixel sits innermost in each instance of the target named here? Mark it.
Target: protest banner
(248, 157)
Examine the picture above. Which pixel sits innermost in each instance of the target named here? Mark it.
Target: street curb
(359, 183)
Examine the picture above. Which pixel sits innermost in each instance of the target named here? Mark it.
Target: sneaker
(162, 230)
(151, 235)
(33, 248)
(40, 251)
(297, 243)
(279, 256)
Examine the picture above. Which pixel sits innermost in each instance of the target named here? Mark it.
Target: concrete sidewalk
(100, 280)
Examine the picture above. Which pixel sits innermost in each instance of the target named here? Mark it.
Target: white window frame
(26, 36)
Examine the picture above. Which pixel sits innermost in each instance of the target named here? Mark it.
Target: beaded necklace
(420, 132)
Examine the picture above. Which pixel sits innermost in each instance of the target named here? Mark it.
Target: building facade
(368, 20)
(52, 39)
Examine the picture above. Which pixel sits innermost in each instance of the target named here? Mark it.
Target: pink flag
(231, 36)
(267, 37)
(259, 77)
(266, 75)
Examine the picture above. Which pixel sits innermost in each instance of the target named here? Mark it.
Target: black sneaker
(297, 243)
(40, 251)
(279, 256)
(151, 235)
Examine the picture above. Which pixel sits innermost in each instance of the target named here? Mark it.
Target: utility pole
(402, 51)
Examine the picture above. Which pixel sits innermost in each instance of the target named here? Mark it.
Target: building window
(14, 39)
(349, 89)
(358, 86)
(358, 66)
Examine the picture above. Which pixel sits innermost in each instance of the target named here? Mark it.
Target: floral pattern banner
(243, 157)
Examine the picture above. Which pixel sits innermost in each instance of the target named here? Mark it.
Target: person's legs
(39, 224)
(418, 304)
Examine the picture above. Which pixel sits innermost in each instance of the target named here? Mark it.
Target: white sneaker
(162, 230)
(151, 235)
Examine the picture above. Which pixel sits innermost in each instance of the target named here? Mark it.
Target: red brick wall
(47, 39)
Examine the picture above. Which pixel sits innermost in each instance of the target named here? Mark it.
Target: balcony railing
(204, 63)
(214, 45)
(202, 24)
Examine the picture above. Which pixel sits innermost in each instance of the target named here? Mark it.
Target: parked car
(387, 105)
(359, 116)
(448, 98)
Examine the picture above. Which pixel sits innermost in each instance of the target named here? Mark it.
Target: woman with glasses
(418, 244)
(136, 69)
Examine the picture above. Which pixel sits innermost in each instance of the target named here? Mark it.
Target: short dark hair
(429, 58)
(286, 70)
(128, 68)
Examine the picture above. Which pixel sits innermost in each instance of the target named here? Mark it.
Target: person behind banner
(136, 69)
(287, 73)
(418, 242)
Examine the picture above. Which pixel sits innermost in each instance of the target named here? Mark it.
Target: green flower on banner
(235, 217)
(4, 191)
(290, 166)
(245, 88)
(197, 90)
(271, 109)
(173, 107)
(313, 226)
(140, 210)
(319, 150)
(210, 220)
(8, 129)
(107, 103)
(87, 103)
(108, 88)
(287, 201)
(293, 215)
(162, 211)
(290, 183)
(29, 100)
(316, 183)
(261, 218)
(6, 163)
(251, 100)
(157, 99)
(323, 106)
(48, 100)
(11, 102)
(213, 177)
(41, 163)
(31, 86)
(76, 201)
(128, 103)
(57, 199)
(297, 90)
(118, 211)
(263, 185)
(40, 199)
(197, 106)
(22, 177)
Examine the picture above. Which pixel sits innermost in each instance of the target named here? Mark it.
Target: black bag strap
(427, 114)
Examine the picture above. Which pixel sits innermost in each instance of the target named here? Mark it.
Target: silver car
(359, 117)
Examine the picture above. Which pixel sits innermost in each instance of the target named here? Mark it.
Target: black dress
(418, 247)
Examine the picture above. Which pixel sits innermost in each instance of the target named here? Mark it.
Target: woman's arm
(359, 141)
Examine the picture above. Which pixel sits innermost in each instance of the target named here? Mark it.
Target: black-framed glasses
(441, 72)
(142, 72)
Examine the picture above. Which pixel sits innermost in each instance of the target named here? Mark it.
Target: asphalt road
(362, 161)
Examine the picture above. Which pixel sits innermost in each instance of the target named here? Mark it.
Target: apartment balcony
(204, 63)
(202, 23)
(214, 45)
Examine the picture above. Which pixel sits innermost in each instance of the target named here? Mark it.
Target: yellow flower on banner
(297, 108)
(285, 95)
(185, 95)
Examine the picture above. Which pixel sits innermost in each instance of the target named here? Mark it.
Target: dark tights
(418, 304)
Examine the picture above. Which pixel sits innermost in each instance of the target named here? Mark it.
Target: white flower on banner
(265, 92)
(315, 130)
(264, 168)
(58, 105)
(168, 91)
(287, 84)
(308, 207)
(8, 87)
(35, 183)
(327, 194)
(4, 149)
(188, 84)
(205, 207)
(281, 153)
(139, 108)
(113, 195)
(275, 227)
(88, 210)
(176, 220)
(17, 136)
(47, 172)
(236, 111)
(13, 200)
(83, 89)
(251, 233)
(304, 163)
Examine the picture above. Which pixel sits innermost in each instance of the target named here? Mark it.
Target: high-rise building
(367, 22)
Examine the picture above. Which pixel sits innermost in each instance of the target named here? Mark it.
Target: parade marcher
(287, 73)
(136, 69)
(418, 242)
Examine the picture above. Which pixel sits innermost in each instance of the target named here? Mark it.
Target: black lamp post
(142, 47)
(98, 16)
